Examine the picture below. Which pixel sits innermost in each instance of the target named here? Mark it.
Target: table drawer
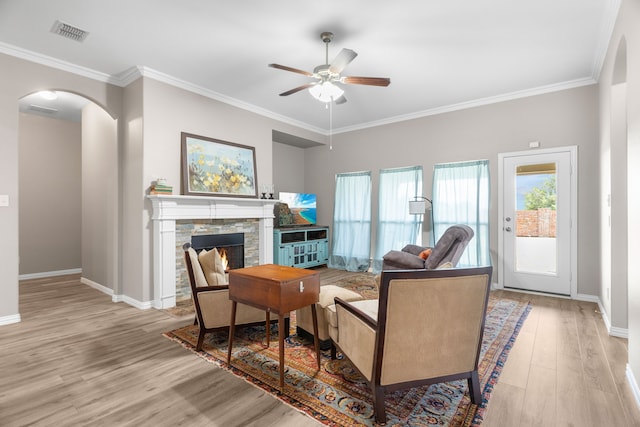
(278, 289)
(295, 294)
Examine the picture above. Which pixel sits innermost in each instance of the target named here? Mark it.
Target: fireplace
(230, 246)
(176, 218)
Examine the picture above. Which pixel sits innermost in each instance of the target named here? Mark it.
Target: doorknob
(508, 219)
(507, 229)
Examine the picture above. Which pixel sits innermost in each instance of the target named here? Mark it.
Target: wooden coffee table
(276, 289)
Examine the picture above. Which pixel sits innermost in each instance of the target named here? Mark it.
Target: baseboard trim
(96, 285)
(117, 297)
(142, 305)
(8, 320)
(633, 384)
(44, 274)
(614, 331)
(588, 298)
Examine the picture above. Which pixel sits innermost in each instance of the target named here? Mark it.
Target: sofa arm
(403, 260)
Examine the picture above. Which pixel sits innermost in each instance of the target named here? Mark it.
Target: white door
(537, 206)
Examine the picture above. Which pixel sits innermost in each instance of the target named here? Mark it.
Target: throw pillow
(198, 274)
(425, 254)
(212, 267)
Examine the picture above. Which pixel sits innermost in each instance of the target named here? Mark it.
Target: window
(396, 226)
(352, 222)
(461, 196)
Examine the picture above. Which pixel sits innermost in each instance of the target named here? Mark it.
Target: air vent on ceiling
(69, 31)
(41, 109)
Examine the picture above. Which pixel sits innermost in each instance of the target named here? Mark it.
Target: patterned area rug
(337, 395)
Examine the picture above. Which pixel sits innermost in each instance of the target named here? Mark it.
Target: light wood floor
(79, 359)
(563, 370)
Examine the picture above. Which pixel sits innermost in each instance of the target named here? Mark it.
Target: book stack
(158, 188)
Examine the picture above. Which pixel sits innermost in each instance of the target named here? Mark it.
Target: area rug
(338, 396)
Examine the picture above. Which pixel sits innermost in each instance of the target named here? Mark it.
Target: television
(302, 207)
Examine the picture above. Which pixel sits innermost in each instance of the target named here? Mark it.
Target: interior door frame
(573, 151)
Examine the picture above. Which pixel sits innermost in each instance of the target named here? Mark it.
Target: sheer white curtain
(396, 226)
(351, 247)
(461, 196)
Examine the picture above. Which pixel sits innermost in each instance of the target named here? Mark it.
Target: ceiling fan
(328, 74)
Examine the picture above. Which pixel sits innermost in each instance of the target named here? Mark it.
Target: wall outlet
(4, 200)
(534, 144)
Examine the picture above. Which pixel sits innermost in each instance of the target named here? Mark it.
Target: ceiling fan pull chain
(330, 104)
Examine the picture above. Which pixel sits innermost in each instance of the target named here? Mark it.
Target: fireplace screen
(229, 245)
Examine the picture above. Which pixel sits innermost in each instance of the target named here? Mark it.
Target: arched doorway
(68, 187)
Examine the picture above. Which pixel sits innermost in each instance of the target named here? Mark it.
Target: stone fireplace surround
(166, 210)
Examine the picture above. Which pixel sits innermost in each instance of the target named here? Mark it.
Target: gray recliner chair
(446, 252)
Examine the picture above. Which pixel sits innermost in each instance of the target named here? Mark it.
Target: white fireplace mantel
(166, 210)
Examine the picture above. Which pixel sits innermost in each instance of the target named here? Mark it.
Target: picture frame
(212, 167)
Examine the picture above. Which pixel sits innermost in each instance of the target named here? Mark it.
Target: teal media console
(302, 247)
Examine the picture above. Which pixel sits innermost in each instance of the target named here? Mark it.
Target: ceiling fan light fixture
(326, 92)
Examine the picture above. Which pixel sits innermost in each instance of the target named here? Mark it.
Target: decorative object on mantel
(160, 187)
(212, 167)
(267, 189)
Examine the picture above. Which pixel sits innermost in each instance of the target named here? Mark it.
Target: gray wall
(99, 197)
(50, 179)
(288, 168)
(20, 78)
(556, 119)
(168, 111)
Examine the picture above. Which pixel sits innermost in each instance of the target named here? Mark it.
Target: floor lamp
(419, 207)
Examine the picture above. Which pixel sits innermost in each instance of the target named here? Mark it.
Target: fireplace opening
(230, 246)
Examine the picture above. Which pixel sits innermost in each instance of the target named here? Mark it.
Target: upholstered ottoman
(304, 319)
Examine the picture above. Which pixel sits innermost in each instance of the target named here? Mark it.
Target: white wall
(49, 189)
(626, 35)
(556, 119)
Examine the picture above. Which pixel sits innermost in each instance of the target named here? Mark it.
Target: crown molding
(541, 90)
(130, 75)
(56, 63)
(208, 93)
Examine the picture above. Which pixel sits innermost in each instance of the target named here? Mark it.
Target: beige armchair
(212, 304)
(426, 327)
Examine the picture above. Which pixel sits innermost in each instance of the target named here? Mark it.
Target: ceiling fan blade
(342, 60)
(298, 89)
(341, 100)
(293, 70)
(371, 81)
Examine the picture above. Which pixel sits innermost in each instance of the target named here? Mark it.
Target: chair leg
(333, 350)
(378, 405)
(287, 327)
(195, 320)
(474, 388)
(200, 339)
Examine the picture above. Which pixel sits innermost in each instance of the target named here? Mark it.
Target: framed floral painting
(211, 167)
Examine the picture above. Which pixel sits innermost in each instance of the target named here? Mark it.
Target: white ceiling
(440, 55)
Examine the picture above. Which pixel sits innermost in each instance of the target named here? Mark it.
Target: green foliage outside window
(543, 196)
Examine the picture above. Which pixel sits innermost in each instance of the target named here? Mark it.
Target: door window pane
(535, 222)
